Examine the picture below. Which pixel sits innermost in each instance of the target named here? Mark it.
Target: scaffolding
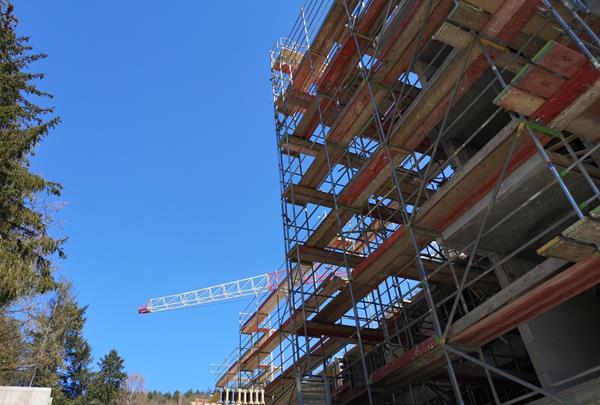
(439, 172)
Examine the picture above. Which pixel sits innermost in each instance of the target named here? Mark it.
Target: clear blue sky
(168, 159)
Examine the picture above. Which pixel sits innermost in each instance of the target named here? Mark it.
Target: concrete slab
(542, 211)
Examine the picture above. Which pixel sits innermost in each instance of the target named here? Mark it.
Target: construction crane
(234, 289)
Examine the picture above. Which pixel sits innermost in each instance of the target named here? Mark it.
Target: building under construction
(440, 179)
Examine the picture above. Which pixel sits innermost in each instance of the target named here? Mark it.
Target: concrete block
(25, 396)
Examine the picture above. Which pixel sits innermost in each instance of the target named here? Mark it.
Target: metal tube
(539, 390)
(572, 34)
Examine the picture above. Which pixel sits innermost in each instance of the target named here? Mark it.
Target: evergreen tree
(25, 245)
(76, 374)
(109, 380)
(60, 354)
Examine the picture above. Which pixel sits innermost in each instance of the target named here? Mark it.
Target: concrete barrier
(25, 396)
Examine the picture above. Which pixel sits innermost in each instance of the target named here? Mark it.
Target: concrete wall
(564, 341)
(25, 396)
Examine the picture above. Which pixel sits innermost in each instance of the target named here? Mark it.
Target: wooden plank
(452, 35)
(318, 329)
(474, 15)
(519, 100)
(566, 249)
(305, 195)
(301, 195)
(293, 145)
(511, 61)
(511, 18)
(576, 279)
(473, 18)
(293, 99)
(544, 28)
(507, 15)
(585, 230)
(538, 81)
(459, 39)
(310, 254)
(585, 128)
(528, 104)
(577, 84)
(559, 59)
(517, 288)
(582, 103)
(417, 352)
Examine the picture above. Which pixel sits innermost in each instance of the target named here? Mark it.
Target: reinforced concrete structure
(440, 180)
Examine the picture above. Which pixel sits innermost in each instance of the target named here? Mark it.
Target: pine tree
(109, 380)
(25, 245)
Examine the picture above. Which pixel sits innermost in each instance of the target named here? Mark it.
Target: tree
(75, 374)
(25, 245)
(60, 354)
(12, 348)
(133, 388)
(109, 380)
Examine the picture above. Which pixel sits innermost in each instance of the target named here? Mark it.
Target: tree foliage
(12, 349)
(25, 245)
(42, 344)
(108, 382)
(60, 354)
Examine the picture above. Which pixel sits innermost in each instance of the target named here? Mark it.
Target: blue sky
(168, 159)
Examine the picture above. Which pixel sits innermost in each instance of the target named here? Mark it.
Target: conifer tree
(60, 354)
(109, 380)
(25, 245)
